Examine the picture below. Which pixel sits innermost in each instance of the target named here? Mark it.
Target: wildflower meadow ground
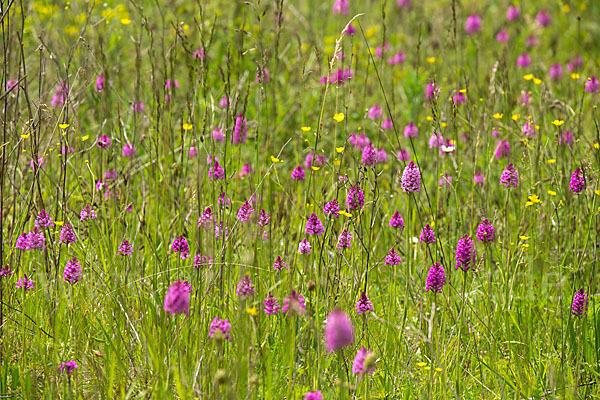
(276, 199)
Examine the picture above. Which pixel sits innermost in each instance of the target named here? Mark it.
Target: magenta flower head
(411, 130)
(263, 218)
(363, 305)
(485, 231)
(198, 54)
(239, 130)
(316, 395)
(473, 25)
(427, 235)
(129, 150)
(314, 225)
(525, 97)
(566, 138)
(341, 7)
(43, 220)
(104, 141)
(555, 71)
(513, 13)
(125, 248)
(577, 184)
(387, 125)
(364, 362)
(12, 85)
(25, 283)
(403, 155)
(180, 245)
(592, 85)
(580, 304)
(465, 253)
(502, 149)
(502, 36)
(575, 64)
(436, 278)
(396, 221)
(294, 304)
(345, 239)
(398, 58)
(304, 247)
(393, 258)
(245, 288)
(332, 209)
(245, 211)
(60, 96)
(510, 176)
(177, 299)
(271, 305)
(431, 91)
(279, 264)
(411, 178)
(479, 178)
(369, 155)
(356, 198)
(68, 366)
(99, 86)
(72, 273)
(339, 332)
(523, 61)
(404, 3)
(6, 271)
(459, 98)
(298, 174)
(87, 213)
(67, 235)
(375, 112)
(220, 329)
(543, 18)
(216, 172)
(218, 135)
(528, 129)
(137, 106)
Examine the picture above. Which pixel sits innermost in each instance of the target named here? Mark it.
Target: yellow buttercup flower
(345, 213)
(315, 168)
(252, 311)
(551, 161)
(430, 60)
(63, 126)
(537, 81)
(125, 21)
(187, 127)
(498, 115)
(574, 76)
(84, 138)
(275, 159)
(558, 122)
(339, 117)
(516, 117)
(528, 77)
(339, 149)
(305, 128)
(551, 192)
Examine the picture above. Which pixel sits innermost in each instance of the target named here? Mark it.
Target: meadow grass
(179, 149)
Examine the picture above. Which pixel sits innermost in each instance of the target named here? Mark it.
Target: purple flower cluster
(314, 225)
(31, 240)
(177, 299)
(363, 304)
(465, 253)
(436, 278)
(72, 273)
